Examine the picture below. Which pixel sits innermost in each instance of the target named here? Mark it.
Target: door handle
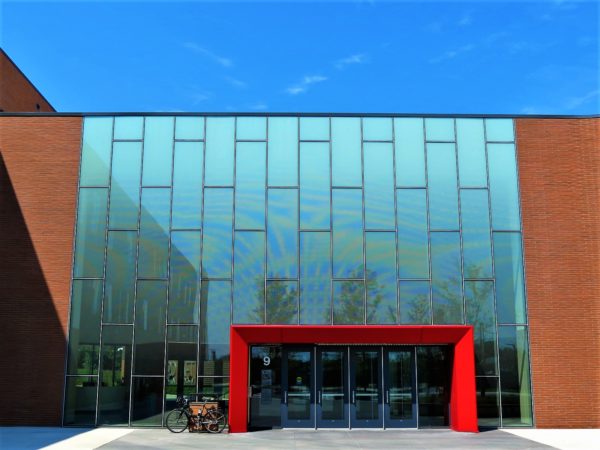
(387, 396)
(285, 397)
(353, 396)
(319, 396)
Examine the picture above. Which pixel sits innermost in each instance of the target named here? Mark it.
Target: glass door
(400, 403)
(332, 387)
(366, 409)
(265, 387)
(297, 408)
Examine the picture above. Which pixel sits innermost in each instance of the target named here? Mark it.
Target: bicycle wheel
(177, 421)
(215, 421)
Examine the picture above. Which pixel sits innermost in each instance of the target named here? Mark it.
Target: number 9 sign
(266, 360)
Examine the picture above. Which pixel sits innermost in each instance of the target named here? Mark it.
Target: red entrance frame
(463, 403)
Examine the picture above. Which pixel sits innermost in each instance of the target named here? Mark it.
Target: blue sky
(508, 57)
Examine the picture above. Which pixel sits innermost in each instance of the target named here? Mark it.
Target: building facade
(315, 270)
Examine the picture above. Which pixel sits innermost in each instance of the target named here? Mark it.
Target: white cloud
(236, 83)
(574, 102)
(259, 106)
(302, 86)
(359, 58)
(451, 54)
(465, 20)
(221, 60)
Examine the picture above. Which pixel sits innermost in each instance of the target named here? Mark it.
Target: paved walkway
(29, 438)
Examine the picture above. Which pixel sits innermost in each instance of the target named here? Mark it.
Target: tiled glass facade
(187, 224)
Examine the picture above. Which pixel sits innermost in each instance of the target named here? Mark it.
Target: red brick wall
(17, 94)
(559, 164)
(38, 187)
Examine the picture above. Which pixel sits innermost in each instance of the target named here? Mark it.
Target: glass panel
(80, 401)
(129, 127)
(503, 187)
(479, 312)
(154, 233)
(314, 128)
(158, 151)
(115, 372)
(84, 330)
(315, 278)
(251, 128)
(477, 245)
(377, 129)
(282, 302)
(95, 154)
(499, 130)
(510, 292)
(514, 376)
(214, 360)
(410, 152)
(333, 384)
(184, 284)
(299, 385)
(215, 308)
(488, 412)
(150, 312)
(413, 242)
(119, 288)
(314, 186)
(214, 387)
(382, 304)
(91, 233)
(282, 233)
(187, 185)
(125, 185)
(367, 379)
(434, 366)
(439, 129)
(443, 194)
(400, 384)
(447, 295)
(189, 128)
(283, 151)
(348, 302)
(219, 151)
(146, 407)
(265, 386)
(249, 281)
(415, 306)
(218, 224)
(251, 164)
(346, 151)
(471, 152)
(379, 186)
(347, 233)
(182, 355)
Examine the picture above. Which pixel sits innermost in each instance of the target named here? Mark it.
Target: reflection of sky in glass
(499, 130)
(381, 278)
(443, 195)
(91, 226)
(413, 252)
(129, 127)
(95, 154)
(250, 185)
(346, 151)
(314, 128)
(282, 235)
(185, 276)
(218, 223)
(470, 143)
(154, 233)
(447, 296)
(283, 151)
(379, 186)
(187, 185)
(347, 233)
(248, 285)
(315, 277)
(158, 151)
(377, 129)
(251, 128)
(189, 128)
(503, 186)
(479, 312)
(477, 247)
(214, 312)
(219, 151)
(119, 288)
(410, 152)
(439, 129)
(510, 293)
(125, 185)
(314, 185)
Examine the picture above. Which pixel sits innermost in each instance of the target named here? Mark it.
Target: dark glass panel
(119, 288)
(187, 185)
(282, 302)
(504, 189)
(220, 141)
(282, 233)
(349, 302)
(214, 387)
(265, 386)
(314, 128)
(154, 233)
(189, 128)
(367, 367)
(215, 305)
(185, 277)
(249, 278)
(377, 129)
(470, 143)
(346, 151)
(347, 233)
(479, 312)
(413, 243)
(91, 233)
(410, 151)
(510, 291)
(443, 193)
(218, 224)
(251, 128)
(182, 356)
(80, 401)
(283, 151)
(446, 278)
(158, 151)
(400, 384)
(382, 304)
(488, 412)
(299, 384)
(379, 186)
(315, 278)
(84, 331)
(150, 311)
(477, 245)
(333, 384)
(250, 185)
(146, 407)
(434, 366)
(95, 153)
(515, 380)
(439, 129)
(214, 360)
(415, 306)
(115, 372)
(314, 186)
(125, 185)
(129, 127)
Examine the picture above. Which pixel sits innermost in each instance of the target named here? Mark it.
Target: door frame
(366, 423)
(400, 423)
(291, 423)
(320, 423)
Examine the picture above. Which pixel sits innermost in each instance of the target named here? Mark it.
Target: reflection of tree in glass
(281, 302)
(349, 298)
(449, 290)
(419, 310)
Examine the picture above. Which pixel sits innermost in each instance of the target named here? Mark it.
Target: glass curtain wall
(188, 224)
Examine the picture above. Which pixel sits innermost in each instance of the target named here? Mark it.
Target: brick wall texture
(38, 185)
(559, 171)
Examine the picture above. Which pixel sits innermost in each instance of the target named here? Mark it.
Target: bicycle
(181, 418)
